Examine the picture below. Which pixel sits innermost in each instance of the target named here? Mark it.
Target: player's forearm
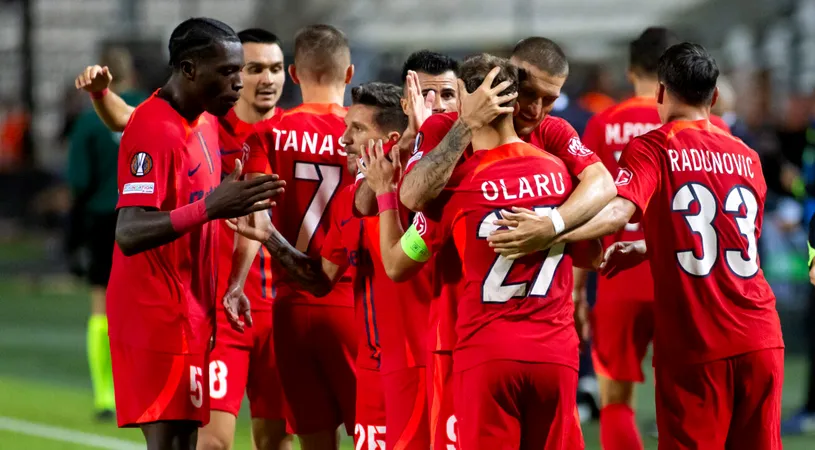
(431, 173)
(595, 190)
(610, 219)
(365, 200)
(139, 230)
(242, 259)
(581, 277)
(306, 271)
(390, 233)
(113, 111)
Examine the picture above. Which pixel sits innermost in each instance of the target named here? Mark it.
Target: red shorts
(153, 386)
(621, 330)
(315, 347)
(245, 362)
(518, 405)
(406, 407)
(729, 403)
(440, 401)
(369, 431)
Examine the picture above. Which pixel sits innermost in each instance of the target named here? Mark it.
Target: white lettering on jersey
(621, 133)
(307, 142)
(524, 188)
(712, 162)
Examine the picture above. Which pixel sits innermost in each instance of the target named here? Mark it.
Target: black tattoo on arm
(432, 172)
(308, 272)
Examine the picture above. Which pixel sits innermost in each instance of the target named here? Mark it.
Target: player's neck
(325, 94)
(645, 87)
(494, 135)
(249, 114)
(189, 108)
(679, 112)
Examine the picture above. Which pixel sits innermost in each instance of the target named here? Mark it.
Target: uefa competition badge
(141, 164)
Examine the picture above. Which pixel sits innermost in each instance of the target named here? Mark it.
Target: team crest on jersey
(420, 222)
(141, 164)
(623, 177)
(418, 144)
(577, 148)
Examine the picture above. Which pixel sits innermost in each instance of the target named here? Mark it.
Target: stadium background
(766, 49)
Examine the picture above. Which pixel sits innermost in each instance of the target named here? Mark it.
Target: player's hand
(236, 304)
(620, 256)
(417, 107)
(250, 228)
(233, 198)
(525, 232)
(381, 173)
(483, 105)
(582, 321)
(94, 79)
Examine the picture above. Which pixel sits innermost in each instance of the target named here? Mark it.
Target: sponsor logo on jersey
(420, 222)
(577, 148)
(138, 188)
(141, 164)
(623, 177)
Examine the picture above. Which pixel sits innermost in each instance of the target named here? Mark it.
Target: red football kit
(516, 355)
(391, 325)
(314, 339)
(161, 327)
(244, 362)
(623, 316)
(718, 349)
(557, 137)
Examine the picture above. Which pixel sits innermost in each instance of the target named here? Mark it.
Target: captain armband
(414, 246)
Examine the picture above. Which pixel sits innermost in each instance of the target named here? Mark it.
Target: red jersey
(303, 146)
(232, 134)
(519, 310)
(556, 136)
(163, 299)
(391, 316)
(702, 194)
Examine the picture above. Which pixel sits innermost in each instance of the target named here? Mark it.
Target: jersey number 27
(494, 288)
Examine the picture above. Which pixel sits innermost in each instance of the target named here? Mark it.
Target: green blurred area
(44, 377)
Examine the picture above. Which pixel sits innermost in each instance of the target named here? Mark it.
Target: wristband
(557, 221)
(188, 217)
(98, 95)
(386, 201)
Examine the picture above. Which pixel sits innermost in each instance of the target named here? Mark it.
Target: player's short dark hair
(644, 52)
(475, 69)
(258, 36)
(689, 72)
(428, 62)
(322, 51)
(386, 97)
(544, 54)
(196, 38)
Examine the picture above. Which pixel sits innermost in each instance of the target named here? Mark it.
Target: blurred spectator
(725, 108)
(572, 112)
(92, 172)
(14, 124)
(599, 87)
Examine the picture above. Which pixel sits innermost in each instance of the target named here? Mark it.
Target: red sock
(618, 430)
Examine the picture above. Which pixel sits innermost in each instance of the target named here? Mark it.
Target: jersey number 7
(329, 178)
(494, 288)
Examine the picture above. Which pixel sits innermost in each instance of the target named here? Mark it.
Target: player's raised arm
(317, 276)
(403, 253)
(109, 106)
(140, 228)
(431, 173)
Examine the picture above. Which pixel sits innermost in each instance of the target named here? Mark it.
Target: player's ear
(394, 136)
(403, 102)
(516, 108)
(660, 93)
(349, 74)
(293, 74)
(715, 96)
(630, 75)
(188, 69)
